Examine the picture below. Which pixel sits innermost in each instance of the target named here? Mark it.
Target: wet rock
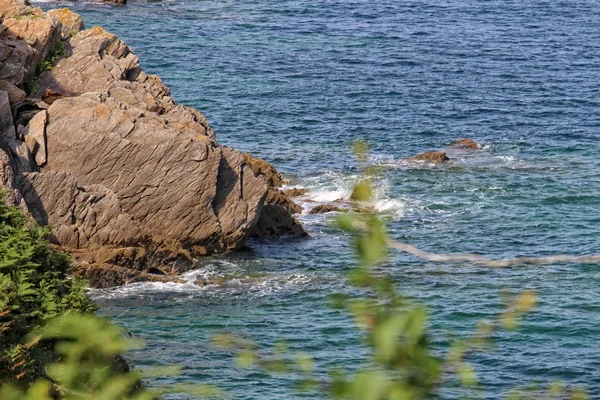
(276, 221)
(117, 2)
(325, 208)
(466, 144)
(110, 275)
(295, 192)
(276, 217)
(435, 157)
(210, 281)
(277, 197)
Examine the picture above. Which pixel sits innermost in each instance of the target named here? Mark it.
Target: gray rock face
(134, 185)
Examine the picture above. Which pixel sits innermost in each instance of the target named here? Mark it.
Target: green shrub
(34, 287)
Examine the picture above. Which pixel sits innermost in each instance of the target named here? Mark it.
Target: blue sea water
(295, 81)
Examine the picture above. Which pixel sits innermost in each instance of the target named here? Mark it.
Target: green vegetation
(51, 346)
(34, 288)
(89, 366)
(56, 53)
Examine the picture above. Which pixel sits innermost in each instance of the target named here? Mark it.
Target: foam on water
(214, 280)
(335, 187)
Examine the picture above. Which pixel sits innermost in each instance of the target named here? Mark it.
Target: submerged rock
(435, 157)
(325, 208)
(466, 144)
(118, 2)
(134, 185)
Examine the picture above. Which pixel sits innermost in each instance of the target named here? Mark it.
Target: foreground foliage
(34, 288)
(51, 346)
(403, 365)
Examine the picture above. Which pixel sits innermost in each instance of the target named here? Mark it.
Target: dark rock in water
(466, 144)
(133, 184)
(276, 218)
(325, 208)
(275, 221)
(435, 157)
(279, 198)
(119, 2)
(295, 192)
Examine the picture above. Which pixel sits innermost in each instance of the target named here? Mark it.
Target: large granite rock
(133, 184)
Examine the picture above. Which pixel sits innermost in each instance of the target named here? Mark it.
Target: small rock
(15, 94)
(214, 281)
(325, 208)
(36, 131)
(295, 192)
(435, 157)
(466, 144)
(25, 116)
(49, 96)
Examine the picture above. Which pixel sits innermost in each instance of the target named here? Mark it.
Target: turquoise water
(295, 81)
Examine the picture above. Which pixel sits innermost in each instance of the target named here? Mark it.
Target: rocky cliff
(134, 185)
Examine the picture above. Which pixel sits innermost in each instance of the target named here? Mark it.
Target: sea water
(295, 82)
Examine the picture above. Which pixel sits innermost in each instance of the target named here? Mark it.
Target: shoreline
(134, 184)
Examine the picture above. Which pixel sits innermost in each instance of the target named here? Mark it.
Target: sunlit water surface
(295, 82)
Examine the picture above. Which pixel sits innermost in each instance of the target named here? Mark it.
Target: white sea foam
(336, 188)
(395, 207)
(215, 280)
